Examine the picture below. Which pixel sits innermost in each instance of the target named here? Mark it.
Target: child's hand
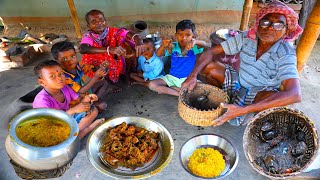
(190, 44)
(90, 98)
(81, 107)
(170, 48)
(140, 49)
(104, 65)
(120, 51)
(166, 43)
(100, 73)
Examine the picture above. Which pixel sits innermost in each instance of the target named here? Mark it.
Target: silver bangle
(134, 36)
(108, 50)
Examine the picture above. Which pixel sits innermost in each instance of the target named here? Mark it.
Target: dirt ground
(15, 83)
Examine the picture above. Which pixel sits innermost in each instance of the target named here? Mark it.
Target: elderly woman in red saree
(104, 45)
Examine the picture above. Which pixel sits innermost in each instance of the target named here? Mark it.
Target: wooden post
(246, 14)
(309, 37)
(74, 17)
(4, 25)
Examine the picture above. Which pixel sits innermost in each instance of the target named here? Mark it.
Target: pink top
(45, 100)
(86, 39)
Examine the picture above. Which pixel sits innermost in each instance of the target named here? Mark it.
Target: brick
(25, 57)
(32, 52)
(21, 58)
(16, 64)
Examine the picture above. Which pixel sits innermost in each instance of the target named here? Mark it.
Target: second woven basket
(196, 116)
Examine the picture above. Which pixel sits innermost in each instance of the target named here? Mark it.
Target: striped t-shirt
(274, 66)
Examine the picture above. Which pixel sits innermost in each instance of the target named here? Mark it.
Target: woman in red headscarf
(267, 62)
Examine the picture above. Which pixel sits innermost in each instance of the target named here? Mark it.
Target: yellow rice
(206, 162)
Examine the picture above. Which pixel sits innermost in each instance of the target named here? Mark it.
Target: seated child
(150, 66)
(103, 43)
(65, 54)
(57, 95)
(183, 58)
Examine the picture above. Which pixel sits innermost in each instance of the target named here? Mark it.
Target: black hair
(92, 12)
(186, 24)
(61, 47)
(148, 40)
(43, 64)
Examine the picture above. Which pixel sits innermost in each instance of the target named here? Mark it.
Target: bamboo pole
(74, 17)
(246, 14)
(309, 37)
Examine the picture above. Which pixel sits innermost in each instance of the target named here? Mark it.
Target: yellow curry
(43, 131)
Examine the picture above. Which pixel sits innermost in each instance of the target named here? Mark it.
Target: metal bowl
(156, 39)
(42, 158)
(226, 33)
(229, 152)
(160, 160)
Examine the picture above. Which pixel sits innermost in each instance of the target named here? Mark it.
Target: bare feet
(130, 82)
(113, 89)
(136, 83)
(88, 129)
(101, 120)
(140, 83)
(100, 105)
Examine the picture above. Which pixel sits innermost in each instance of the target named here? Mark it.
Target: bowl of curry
(42, 139)
(130, 148)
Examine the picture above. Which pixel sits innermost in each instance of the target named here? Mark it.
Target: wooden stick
(246, 14)
(74, 17)
(309, 37)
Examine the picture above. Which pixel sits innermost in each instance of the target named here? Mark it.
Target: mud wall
(45, 16)
(59, 8)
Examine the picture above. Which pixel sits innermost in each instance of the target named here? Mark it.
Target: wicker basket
(288, 123)
(25, 173)
(198, 117)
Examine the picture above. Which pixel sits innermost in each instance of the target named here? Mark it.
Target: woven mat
(32, 174)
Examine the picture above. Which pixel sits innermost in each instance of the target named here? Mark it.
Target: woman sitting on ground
(103, 43)
(267, 62)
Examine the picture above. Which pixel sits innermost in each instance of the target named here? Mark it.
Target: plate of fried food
(130, 148)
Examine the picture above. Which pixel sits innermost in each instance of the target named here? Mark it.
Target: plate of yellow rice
(208, 156)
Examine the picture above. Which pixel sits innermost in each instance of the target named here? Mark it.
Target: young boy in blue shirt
(150, 66)
(183, 58)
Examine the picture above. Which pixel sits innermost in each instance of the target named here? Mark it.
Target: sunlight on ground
(5, 63)
(3, 58)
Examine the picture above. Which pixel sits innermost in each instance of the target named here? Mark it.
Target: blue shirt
(274, 66)
(152, 68)
(182, 66)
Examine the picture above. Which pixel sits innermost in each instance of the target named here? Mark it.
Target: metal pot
(156, 39)
(42, 158)
(141, 28)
